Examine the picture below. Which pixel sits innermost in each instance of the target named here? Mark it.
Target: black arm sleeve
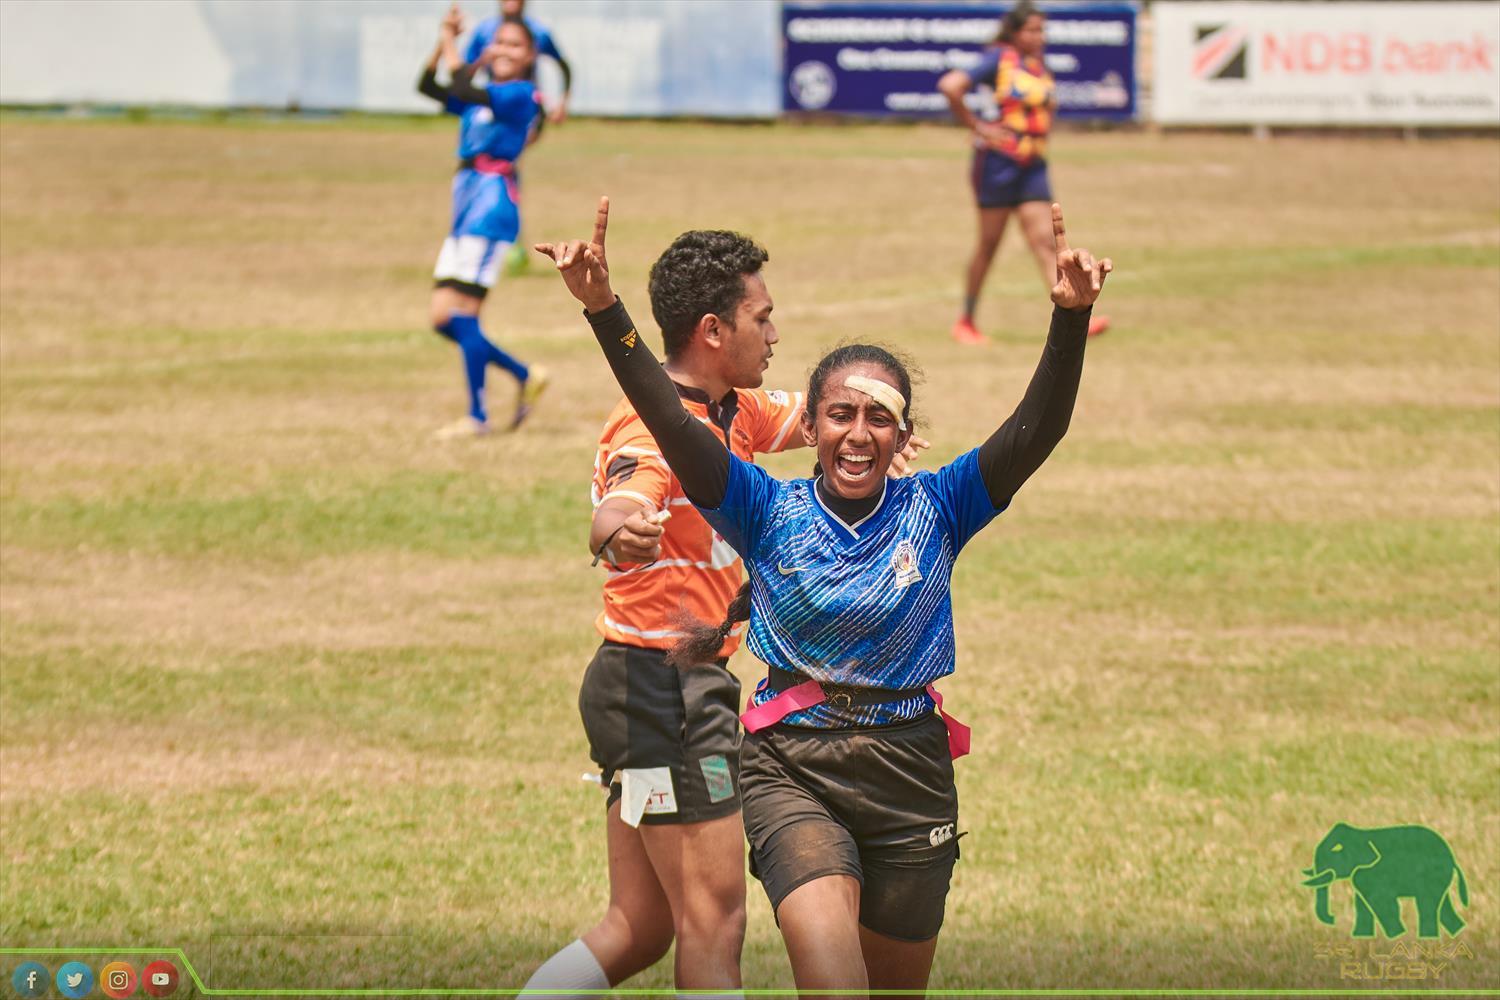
(1023, 442)
(429, 87)
(694, 453)
(462, 87)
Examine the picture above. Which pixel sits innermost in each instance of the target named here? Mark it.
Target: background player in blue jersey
(846, 768)
(546, 45)
(518, 259)
(497, 121)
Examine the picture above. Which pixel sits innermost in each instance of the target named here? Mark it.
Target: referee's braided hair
(700, 642)
(702, 272)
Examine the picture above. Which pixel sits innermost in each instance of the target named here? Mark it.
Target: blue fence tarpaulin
(884, 59)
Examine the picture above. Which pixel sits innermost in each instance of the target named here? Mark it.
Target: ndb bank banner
(1327, 64)
(884, 59)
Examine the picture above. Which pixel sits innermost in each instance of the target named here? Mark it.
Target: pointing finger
(601, 220)
(1059, 232)
(545, 248)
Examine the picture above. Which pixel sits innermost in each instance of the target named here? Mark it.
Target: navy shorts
(642, 714)
(877, 804)
(1000, 182)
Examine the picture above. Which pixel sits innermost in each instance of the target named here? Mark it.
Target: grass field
(289, 686)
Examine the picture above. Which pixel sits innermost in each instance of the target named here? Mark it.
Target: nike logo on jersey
(788, 570)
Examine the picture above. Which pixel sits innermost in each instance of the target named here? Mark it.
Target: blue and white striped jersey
(861, 605)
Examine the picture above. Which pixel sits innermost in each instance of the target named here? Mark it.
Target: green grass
(287, 685)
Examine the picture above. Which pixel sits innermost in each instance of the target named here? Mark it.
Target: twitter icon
(75, 980)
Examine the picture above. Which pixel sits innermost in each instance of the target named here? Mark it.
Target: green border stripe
(476, 992)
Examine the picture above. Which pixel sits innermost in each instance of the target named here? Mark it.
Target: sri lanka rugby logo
(904, 562)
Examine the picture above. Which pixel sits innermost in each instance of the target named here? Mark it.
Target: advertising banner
(1327, 64)
(884, 59)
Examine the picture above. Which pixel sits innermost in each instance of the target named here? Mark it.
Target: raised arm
(695, 455)
(461, 76)
(1023, 442)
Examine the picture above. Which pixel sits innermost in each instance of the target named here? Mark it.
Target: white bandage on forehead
(883, 393)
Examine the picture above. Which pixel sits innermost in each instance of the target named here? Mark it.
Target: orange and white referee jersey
(697, 572)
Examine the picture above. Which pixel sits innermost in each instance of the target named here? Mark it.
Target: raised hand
(584, 267)
(453, 21)
(903, 460)
(1079, 277)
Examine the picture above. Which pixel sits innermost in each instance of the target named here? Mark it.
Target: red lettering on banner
(1436, 57)
(1274, 49)
(1317, 53)
(1356, 54)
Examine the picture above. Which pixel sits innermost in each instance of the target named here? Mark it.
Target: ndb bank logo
(1220, 51)
(1384, 866)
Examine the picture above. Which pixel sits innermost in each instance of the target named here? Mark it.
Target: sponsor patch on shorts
(646, 791)
(716, 775)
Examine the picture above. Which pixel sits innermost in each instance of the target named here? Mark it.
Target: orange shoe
(965, 332)
(1097, 325)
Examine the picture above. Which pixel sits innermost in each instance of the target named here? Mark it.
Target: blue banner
(884, 59)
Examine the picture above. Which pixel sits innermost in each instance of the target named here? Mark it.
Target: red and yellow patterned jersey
(698, 572)
(1025, 95)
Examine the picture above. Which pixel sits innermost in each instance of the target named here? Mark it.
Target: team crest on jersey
(777, 396)
(904, 562)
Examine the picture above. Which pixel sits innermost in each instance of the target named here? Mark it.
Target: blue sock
(479, 353)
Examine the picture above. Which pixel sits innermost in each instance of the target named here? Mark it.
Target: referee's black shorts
(640, 712)
(875, 803)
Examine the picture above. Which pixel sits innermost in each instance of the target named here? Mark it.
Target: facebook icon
(30, 979)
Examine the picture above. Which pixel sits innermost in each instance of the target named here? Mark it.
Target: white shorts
(471, 260)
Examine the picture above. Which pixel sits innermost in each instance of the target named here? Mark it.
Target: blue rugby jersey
(500, 128)
(484, 33)
(863, 605)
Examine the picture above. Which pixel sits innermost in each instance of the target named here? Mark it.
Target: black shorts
(874, 803)
(640, 712)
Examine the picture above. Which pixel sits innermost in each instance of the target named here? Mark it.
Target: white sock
(573, 968)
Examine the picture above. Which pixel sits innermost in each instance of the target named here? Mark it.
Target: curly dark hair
(702, 272)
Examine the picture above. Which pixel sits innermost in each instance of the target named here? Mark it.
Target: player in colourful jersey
(518, 260)
(849, 801)
(1009, 171)
(497, 120)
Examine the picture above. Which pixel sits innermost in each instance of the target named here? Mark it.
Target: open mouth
(855, 467)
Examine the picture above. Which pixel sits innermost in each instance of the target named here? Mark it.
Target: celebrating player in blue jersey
(518, 259)
(546, 45)
(497, 121)
(846, 768)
